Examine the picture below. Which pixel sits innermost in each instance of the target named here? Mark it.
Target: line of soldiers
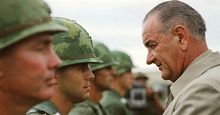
(76, 81)
(51, 66)
(33, 79)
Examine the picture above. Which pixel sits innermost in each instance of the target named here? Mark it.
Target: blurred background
(118, 24)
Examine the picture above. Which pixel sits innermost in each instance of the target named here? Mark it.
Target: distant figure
(142, 99)
(75, 48)
(113, 100)
(103, 73)
(27, 60)
(174, 34)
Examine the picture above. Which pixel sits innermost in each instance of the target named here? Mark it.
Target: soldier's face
(103, 78)
(74, 82)
(27, 69)
(126, 80)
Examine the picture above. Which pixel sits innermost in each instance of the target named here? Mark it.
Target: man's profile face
(103, 78)
(74, 82)
(162, 48)
(28, 69)
(126, 80)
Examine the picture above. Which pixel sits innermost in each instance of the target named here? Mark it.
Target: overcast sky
(118, 23)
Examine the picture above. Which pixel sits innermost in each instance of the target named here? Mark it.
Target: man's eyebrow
(45, 41)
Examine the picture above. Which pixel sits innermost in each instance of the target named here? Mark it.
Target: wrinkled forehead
(151, 25)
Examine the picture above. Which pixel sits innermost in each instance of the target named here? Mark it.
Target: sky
(118, 23)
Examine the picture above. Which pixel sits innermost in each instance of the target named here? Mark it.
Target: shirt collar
(194, 70)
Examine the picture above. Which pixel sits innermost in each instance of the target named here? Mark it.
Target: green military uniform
(21, 19)
(73, 47)
(88, 108)
(114, 103)
(45, 108)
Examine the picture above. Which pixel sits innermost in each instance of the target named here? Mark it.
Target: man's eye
(43, 45)
(82, 67)
(85, 67)
(152, 46)
(40, 48)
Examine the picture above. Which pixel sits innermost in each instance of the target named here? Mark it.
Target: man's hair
(175, 12)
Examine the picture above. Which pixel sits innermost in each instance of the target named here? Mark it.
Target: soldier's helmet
(74, 46)
(140, 75)
(103, 53)
(125, 62)
(20, 19)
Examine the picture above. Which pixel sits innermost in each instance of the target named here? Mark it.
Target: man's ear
(182, 35)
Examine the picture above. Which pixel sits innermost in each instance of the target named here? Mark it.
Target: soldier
(75, 48)
(103, 74)
(142, 99)
(113, 100)
(27, 60)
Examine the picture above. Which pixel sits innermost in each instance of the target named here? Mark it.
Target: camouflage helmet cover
(125, 62)
(103, 52)
(20, 19)
(74, 46)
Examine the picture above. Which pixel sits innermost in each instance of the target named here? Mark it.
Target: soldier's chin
(42, 96)
(48, 94)
(84, 98)
(87, 96)
(79, 99)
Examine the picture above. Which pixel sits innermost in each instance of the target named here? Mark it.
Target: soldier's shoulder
(43, 108)
(81, 110)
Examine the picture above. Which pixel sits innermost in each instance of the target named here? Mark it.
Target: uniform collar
(114, 93)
